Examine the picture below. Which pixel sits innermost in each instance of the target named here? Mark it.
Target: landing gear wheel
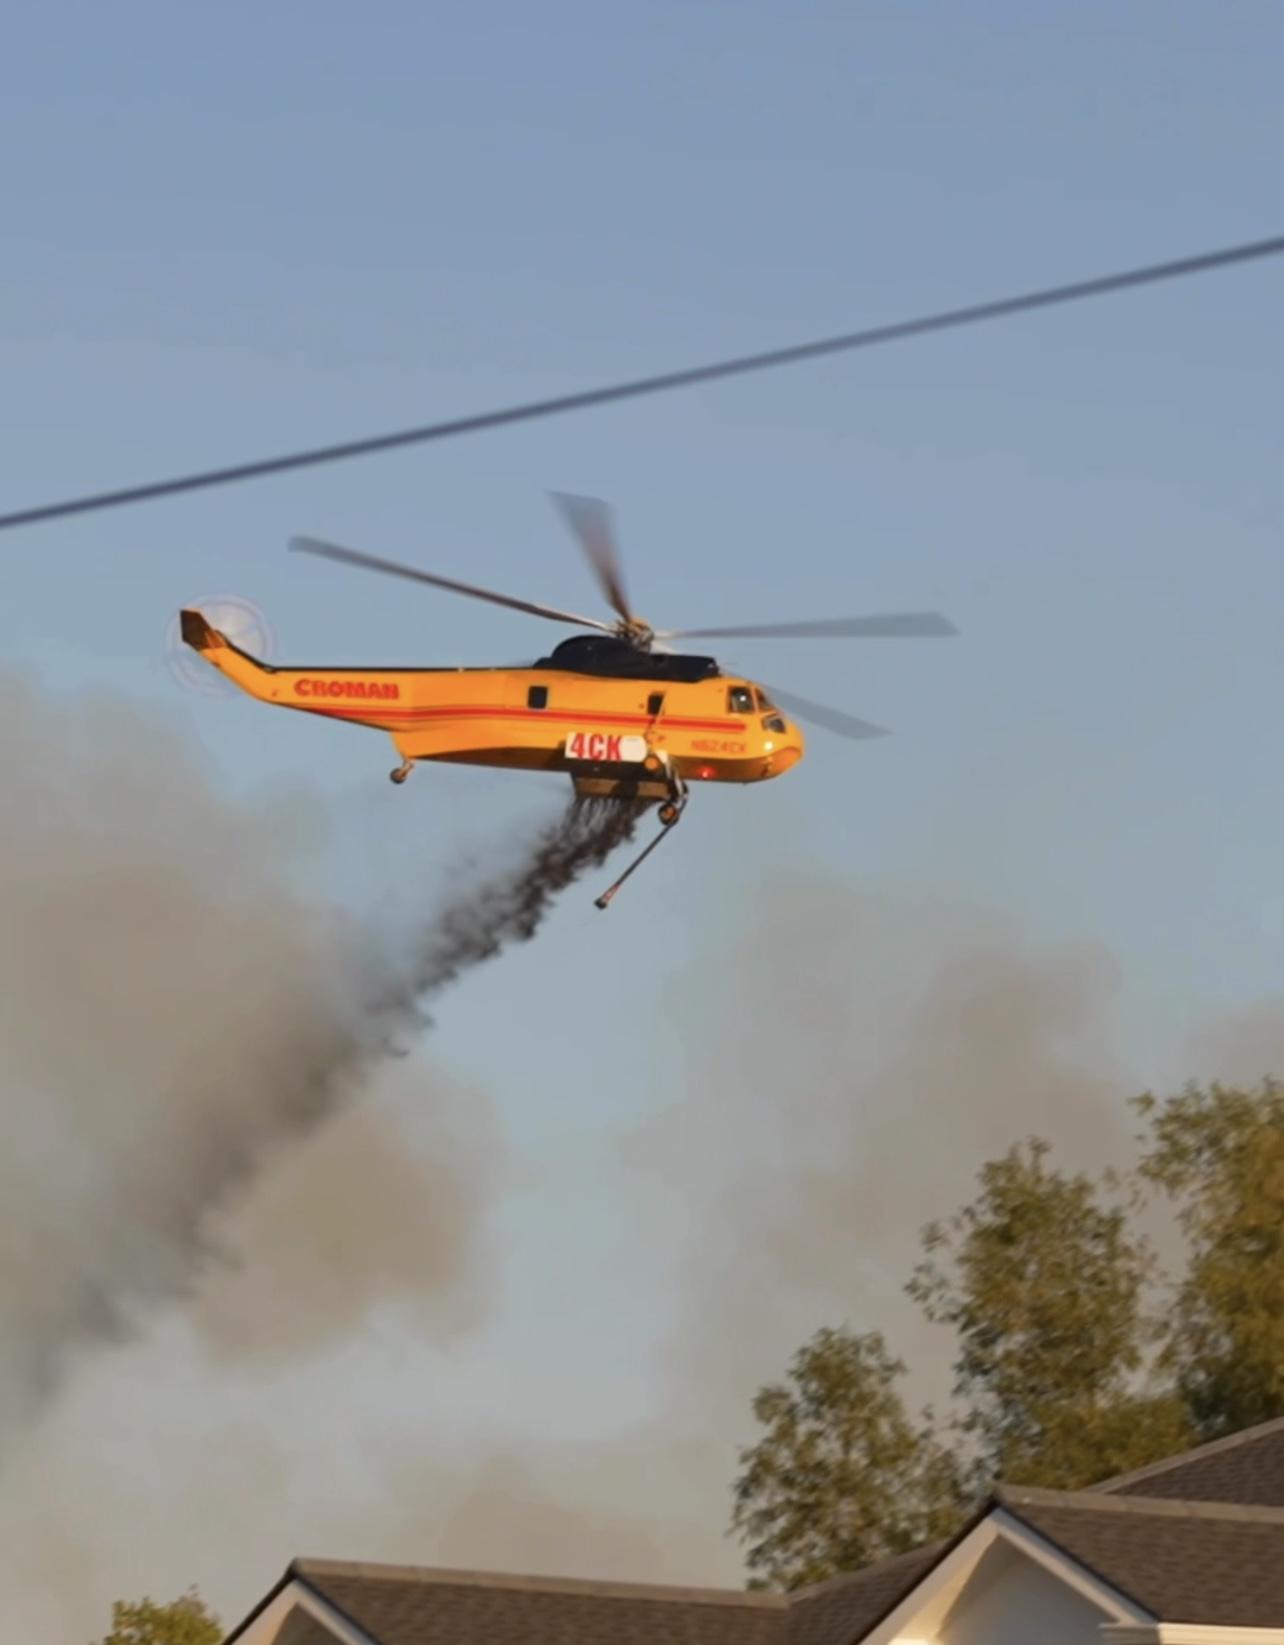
(668, 813)
(401, 773)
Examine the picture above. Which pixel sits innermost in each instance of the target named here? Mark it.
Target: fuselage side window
(537, 697)
(654, 703)
(740, 700)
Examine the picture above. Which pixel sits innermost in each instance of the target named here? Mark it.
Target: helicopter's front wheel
(402, 772)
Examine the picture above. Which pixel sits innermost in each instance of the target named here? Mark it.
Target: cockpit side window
(740, 700)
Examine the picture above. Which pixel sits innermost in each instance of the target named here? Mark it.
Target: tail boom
(361, 696)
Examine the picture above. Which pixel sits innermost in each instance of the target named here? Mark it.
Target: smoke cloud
(175, 1014)
(875, 1048)
(380, 1208)
(1244, 1047)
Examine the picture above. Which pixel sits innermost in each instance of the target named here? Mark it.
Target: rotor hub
(635, 632)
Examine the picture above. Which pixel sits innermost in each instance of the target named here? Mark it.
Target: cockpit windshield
(764, 701)
(740, 700)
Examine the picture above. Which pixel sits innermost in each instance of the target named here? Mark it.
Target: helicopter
(617, 709)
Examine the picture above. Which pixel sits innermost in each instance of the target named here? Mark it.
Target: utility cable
(665, 382)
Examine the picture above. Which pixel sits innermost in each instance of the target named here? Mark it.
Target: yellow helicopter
(618, 711)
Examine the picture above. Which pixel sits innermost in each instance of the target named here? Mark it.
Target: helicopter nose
(784, 749)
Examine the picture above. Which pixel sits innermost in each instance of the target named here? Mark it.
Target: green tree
(186, 1621)
(1045, 1287)
(840, 1477)
(1219, 1155)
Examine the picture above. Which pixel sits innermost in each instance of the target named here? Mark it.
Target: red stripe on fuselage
(497, 711)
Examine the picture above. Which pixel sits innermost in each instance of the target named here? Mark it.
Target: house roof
(843, 1609)
(407, 1605)
(1247, 1467)
(1216, 1563)
(1196, 1539)
(403, 1605)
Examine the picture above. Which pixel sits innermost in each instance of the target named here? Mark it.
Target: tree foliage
(186, 1621)
(1045, 1288)
(841, 1476)
(1064, 1374)
(1219, 1155)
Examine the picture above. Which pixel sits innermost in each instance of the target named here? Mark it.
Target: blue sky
(236, 232)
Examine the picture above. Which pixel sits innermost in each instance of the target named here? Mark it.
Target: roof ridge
(1092, 1502)
(317, 1570)
(1213, 1447)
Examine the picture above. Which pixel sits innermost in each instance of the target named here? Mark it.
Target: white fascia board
(1190, 1633)
(924, 1608)
(298, 1596)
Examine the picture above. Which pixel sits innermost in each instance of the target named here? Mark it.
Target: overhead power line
(663, 383)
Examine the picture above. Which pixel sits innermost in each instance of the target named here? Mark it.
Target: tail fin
(197, 632)
(213, 645)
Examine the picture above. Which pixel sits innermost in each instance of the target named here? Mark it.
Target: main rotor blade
(370, 562)
(833, 719)
(590, 519)
(894, 625)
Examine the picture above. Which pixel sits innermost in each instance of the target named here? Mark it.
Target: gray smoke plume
(373, 1214)
(303, 1271)
(174, 1013)
(496, 910)
(881, 1046)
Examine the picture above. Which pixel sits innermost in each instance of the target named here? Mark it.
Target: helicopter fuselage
(619, 721)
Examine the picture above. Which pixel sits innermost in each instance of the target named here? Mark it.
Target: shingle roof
(1208, 1562)
(1247, 1467)
(842, 1610)
(406, 1605)
(401, 1605)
